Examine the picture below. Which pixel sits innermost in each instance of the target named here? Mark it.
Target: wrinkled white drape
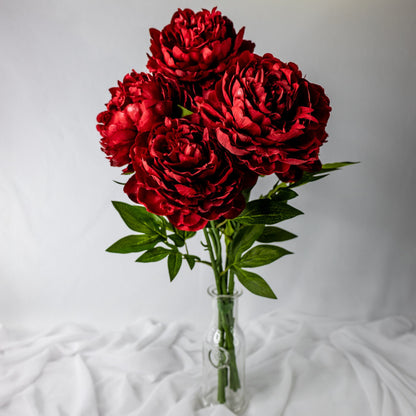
(296, 365)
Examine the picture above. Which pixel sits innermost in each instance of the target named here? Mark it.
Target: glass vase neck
(213, 292)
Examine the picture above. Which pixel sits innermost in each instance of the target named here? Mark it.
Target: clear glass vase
(224, 355)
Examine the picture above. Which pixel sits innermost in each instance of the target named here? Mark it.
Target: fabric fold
(296, 364)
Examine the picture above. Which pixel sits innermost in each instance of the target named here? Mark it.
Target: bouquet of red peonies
(195, 133)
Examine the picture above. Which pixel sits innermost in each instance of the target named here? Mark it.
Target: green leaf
(184, 111)
(284, 194)
(134, 243)
(191, 260)
(273, 234)
(155, 254)
(174, 264)
(179, 242)
(138, 218)
(262, 255)
(181, 236)
(184, 235)
(246, 194)
(170, 227)
(188, 234)
(328, 167)
(244, 239)
(278, 186)
(266, 211)
(254, 283)
(307, 178)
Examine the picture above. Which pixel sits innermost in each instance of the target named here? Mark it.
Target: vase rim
(212, 291)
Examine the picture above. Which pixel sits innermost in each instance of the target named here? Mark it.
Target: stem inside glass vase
(224, 355)
(229, 371)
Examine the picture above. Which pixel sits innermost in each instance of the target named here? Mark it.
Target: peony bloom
(137, 104)
(182, 173)
(268, 116)
(195, 46)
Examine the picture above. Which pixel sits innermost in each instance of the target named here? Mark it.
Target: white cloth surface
(296, 365)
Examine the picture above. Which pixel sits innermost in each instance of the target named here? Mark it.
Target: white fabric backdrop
(296, 365)
(355, 256)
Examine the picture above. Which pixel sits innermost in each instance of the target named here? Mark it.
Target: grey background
(355, 257)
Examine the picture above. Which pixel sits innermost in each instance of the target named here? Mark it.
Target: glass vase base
(234, 402)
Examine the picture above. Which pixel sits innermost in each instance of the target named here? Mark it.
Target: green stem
(216, 238)
(204, 262)
(222, 372)
(272, 191)
(213, 260)
(228, 374)
(226, 324)
(235, 383)
(231, 283)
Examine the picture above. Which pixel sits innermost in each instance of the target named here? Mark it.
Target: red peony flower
(268, 116)
(195, 46)
(182, 173)
(118, 132)
(137, 104)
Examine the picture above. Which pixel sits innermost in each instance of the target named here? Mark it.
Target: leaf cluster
(256, 226)
(248, 240)
(156, 238)
(252, 245)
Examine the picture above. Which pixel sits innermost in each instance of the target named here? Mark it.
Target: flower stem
(213, 260)
(222, 372)
(272, 191)
(227, 371)
(216, 238)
